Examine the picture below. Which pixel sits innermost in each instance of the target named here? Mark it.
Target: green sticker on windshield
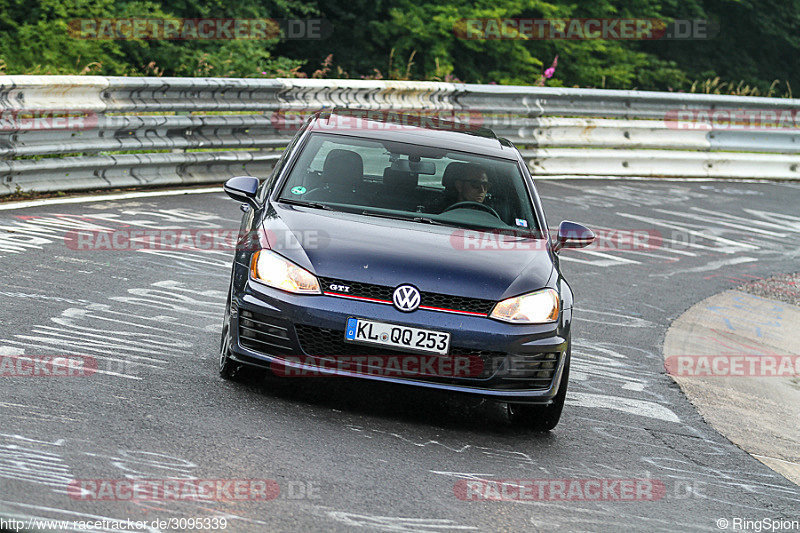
(298, 190)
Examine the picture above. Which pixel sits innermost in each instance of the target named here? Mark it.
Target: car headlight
(537, 307)
(273, 270)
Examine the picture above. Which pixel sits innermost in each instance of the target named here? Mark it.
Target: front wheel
(542, 417)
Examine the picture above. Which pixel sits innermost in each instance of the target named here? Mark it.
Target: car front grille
(428, 299)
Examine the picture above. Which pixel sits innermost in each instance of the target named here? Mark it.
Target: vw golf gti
(404, 252)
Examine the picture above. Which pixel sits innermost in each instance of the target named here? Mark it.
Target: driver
(472, 185)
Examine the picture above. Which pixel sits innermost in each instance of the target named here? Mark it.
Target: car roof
(425, 128)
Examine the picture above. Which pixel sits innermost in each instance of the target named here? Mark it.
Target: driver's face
(472, 190)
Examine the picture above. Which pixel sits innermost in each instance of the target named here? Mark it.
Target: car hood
(389, 252)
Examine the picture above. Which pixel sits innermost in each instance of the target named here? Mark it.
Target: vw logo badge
(406, 298)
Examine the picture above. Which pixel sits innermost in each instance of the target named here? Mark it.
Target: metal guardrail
(157, 131)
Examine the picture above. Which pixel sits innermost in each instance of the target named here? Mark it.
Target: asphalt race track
(364, 456)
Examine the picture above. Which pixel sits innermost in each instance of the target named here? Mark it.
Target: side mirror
(573, 235)
(242, 189)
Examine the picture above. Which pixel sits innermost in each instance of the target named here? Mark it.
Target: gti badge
(339, 288)
(406, 298)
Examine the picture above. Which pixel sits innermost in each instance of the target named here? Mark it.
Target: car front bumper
(286, 326)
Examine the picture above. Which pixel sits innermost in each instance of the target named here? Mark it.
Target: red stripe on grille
(471, 313)
(364, 298)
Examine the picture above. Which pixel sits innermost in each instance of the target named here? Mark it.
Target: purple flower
(547, 74)
(552, 70)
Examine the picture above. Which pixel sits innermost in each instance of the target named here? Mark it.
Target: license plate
(382, 334)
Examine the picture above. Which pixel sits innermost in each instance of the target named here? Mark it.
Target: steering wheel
(472, 205)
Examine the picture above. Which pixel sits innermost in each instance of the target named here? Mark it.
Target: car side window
(266, 185)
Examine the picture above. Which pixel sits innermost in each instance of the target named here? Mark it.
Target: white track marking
(677, 226)
(610, 257)
(713, 265)
(626, 405)
(10, 206)
(745, 226)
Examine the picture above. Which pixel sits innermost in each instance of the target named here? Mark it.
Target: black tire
(229, 369)
(542, 417)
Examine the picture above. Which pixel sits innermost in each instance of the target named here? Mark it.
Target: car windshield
(419, 183)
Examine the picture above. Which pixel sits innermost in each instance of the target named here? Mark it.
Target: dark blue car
(403, 252)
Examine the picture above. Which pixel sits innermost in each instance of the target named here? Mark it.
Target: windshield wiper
(424, 220)
(427, 220)
(452, 224)
(396, 217)
(315, 205)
